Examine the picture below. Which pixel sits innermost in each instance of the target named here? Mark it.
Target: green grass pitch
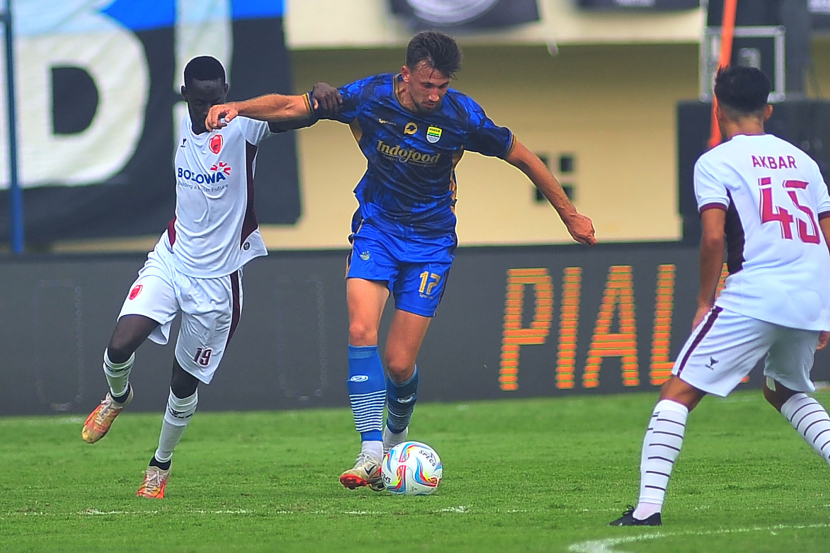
(519, 475)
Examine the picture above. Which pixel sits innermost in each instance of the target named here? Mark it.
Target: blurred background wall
(593, 90)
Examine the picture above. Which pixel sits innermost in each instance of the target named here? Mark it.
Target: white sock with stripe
(661, 446)
(810, 419)
(176, 418)
(118, 374)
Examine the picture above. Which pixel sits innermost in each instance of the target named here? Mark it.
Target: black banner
(99, 104)
(515, 322)
(465, 14)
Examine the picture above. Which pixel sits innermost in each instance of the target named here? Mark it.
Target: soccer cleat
(155, 479)
(391, 439)
(366, 472)
(627, 519)
(98, 422)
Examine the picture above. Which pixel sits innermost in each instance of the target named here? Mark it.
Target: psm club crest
(216, 143)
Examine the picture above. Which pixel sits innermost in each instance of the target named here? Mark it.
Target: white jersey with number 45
(215, 231)
(778, 261)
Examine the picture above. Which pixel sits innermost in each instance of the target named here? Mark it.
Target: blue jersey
(409, 185)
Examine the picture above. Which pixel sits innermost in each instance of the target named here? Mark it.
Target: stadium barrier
(515, 322)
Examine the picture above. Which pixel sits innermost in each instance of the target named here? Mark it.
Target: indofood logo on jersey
(407, 155)
(218, 172)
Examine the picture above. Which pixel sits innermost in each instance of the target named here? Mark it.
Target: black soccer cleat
(627, 519)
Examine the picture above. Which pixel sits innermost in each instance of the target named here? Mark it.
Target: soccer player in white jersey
(196, 267)
(766, 201)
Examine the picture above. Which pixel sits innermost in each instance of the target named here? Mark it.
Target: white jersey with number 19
(215, 231)
(774, 197)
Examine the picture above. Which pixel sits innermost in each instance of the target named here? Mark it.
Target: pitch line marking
(607, 545)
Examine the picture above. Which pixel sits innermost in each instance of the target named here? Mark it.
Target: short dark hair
(437, 49)
(744, 90)
(203, 68)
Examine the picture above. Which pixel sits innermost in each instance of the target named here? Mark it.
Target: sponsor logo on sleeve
(136, 291)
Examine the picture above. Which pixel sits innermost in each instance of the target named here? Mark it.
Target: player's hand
(823, 337)
(581, 229)
(220, 115)
(326, 100)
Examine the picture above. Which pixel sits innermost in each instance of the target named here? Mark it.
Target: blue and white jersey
(409, 185)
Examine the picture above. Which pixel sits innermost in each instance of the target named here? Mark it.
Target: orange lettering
(568, 328)
(619, 291)
(661, 366)
(514, 336)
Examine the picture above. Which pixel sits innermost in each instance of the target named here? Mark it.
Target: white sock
(811, 420)
(661, 446)
(176, 418)
(372, 448)
(118, 374)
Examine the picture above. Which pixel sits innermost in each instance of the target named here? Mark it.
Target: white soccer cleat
(391, 439)
(155, 480)
(366, 472)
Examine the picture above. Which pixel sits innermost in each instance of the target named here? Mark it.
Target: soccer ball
(411, 468)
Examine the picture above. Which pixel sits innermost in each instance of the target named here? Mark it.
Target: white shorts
(725, 346)
(210, 309)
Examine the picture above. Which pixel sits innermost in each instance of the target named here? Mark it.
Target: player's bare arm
(328, 101)
(579, 226)
(323, 101)
(712, 244)
(271, 107)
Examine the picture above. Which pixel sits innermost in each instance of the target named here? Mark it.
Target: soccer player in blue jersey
(413, 130)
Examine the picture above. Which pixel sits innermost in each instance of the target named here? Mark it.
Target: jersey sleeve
(254, 131)
(709, 189)
(483, 135)
(354, 95)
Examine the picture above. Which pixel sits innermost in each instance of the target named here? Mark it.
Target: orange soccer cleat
(98, 422)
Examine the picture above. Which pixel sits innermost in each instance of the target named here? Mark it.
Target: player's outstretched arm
(271, 107)
(327, 101)
(579, 226)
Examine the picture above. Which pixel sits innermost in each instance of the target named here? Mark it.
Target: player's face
(200, 97)
(426, 86)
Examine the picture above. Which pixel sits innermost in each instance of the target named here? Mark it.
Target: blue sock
(366, 392)
(400, 402)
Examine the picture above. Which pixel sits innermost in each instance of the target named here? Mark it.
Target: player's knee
(183, 384)
(361, 334)
(399, 367)
(118, 350)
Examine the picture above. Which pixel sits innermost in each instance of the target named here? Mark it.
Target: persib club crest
(433, 135)
(216, 143)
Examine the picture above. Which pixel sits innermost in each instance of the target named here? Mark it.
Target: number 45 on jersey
(808, 230)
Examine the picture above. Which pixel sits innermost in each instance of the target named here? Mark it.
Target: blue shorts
(415, 268)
